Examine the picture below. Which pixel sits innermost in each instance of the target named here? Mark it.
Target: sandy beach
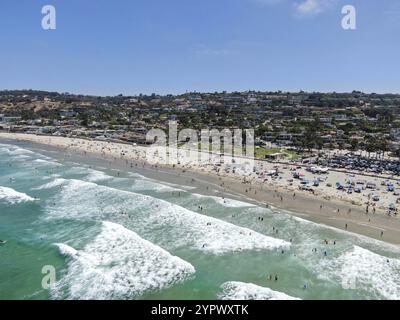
(355, 212)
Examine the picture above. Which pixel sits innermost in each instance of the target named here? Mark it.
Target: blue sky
(172, 46)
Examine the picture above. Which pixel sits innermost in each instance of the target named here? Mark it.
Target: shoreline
(303, 205)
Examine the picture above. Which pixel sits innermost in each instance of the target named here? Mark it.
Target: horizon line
(204, 92)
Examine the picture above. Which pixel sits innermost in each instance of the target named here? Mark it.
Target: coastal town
(294, 121)
(339, 148)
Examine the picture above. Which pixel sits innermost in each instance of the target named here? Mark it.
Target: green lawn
(261, 152)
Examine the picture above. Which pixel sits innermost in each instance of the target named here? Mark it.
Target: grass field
(261, 152)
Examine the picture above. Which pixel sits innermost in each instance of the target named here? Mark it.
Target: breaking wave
(12, 196)
(118, 264)
(247, 291)
(159, 219)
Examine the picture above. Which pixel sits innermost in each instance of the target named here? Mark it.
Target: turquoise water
(120, 235)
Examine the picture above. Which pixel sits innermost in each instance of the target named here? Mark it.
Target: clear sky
(109, 47)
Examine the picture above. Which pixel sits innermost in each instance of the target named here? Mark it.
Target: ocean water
(121, 235)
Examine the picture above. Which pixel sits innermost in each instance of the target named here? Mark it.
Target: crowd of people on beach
(266, 179)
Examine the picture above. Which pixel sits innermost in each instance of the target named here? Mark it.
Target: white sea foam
(247, 291)
(97, 176)
(231, 203)
(77, 170)
(212, 235)
(17, 153)
(66, 250)
(178, 186)
(53, 184)
(21, 157)
(92, 175)
(159, 218)
(144, 183)
(46, 162)
(13, 150)
(12, 196)
(118, 264)
(367, 271)
(358, 238)
(148, 184)
(226, 202)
